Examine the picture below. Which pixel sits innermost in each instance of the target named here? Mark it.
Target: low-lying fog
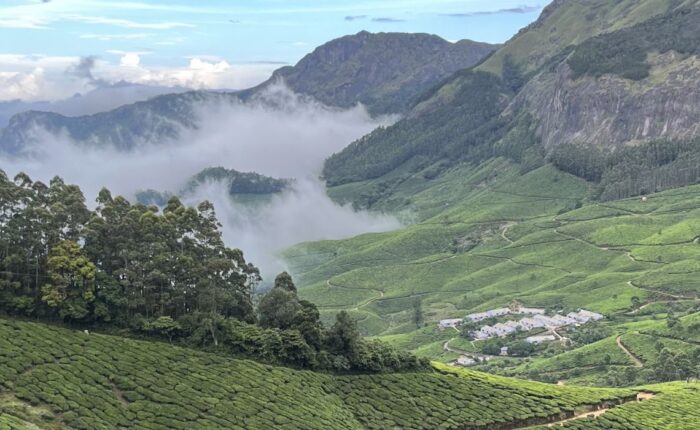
(279, 135)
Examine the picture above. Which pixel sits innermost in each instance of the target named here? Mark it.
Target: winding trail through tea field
(637, 361)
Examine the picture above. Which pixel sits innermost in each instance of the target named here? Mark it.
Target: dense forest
(238, 182)
(160, 273)
(624, 52)
(458, 126)
(632, 170)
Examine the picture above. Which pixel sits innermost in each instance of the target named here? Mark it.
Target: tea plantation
(56, 378)
(675, 408)
(485, 236)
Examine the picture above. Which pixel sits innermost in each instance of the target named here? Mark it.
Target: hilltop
(384, 71)
(245, 186)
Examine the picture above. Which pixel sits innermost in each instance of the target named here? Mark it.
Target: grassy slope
(62, 379)
(597, 257)
(571, 23)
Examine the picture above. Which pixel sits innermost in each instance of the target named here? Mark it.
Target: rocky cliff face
(610, 111)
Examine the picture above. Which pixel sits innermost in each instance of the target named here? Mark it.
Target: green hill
(55, 378)
(487, 236)
(570, 22)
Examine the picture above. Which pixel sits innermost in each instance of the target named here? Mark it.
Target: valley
(399, 231)
(631, 260)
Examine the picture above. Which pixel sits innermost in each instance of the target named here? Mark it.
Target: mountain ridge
(404, 65)
(614, 88)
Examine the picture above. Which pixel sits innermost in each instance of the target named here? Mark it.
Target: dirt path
(642, 396)
(446, 346)
(519, 263)
(329, 284)
(504, 230)
(637, 362)
(656, 291)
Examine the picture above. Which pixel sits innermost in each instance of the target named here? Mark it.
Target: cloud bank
(280, 134)
(51, 78)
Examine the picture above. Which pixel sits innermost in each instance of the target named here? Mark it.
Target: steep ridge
(611, 74)
(626, 87)
(565, 23)
(384, 71)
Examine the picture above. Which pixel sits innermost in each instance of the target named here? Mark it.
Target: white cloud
(37, 77)
(110, 37)
(199, 73)
(125, 23)
(40, 15)
(24, 22)
(130, 60)
(282, 135)
(17, 85)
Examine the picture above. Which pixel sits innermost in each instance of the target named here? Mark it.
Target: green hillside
(538, 99)
(487, 236)
(570, 22)
(61, 379)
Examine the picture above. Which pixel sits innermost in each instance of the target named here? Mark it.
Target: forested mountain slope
(613, 74)
(569, 22)
(156, 120)
(385, 71)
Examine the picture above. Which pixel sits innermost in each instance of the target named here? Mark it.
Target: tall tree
(71, 289)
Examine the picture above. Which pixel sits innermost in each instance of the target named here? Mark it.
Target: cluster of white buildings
(536, 321)
(493, 313)
(540, 339)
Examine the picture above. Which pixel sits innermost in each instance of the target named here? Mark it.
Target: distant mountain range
(101, 99)
(385, 71)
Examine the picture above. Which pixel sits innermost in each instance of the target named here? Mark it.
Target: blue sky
(164, 37)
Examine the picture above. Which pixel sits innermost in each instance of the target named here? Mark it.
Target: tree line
(161, 272)
(634, 170)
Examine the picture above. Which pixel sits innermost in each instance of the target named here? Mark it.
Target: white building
(450, 323)
(530, 311)
(537, 320)
(585, 316)
(540, 339)
(480, 316)
(463, 360)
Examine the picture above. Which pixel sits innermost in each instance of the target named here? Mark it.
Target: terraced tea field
(485, 237)
(60, 379)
